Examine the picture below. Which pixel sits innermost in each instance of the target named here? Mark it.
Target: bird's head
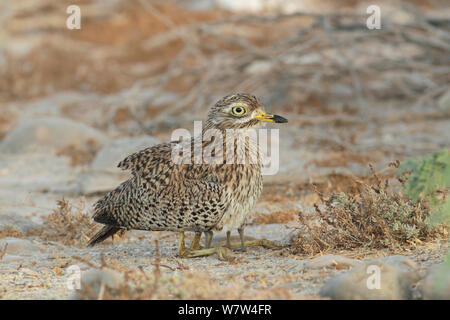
(239, 111)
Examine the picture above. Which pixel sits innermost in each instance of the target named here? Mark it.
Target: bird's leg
(256, 243)
(223, 252)
(184, 252)
(228, 239)
(195, 245)
(241, 235)
(208, 238)
(251, 243)
(181, 247)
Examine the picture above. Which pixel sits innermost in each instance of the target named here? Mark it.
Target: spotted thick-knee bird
(166, 194)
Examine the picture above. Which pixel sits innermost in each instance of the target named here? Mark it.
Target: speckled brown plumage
(163, 195)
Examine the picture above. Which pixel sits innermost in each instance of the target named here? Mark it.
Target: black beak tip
(279, 119)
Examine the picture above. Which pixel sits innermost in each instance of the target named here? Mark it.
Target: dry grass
(3, 251)
(189, 286)
(333, 182)
(68, 224)
(378, 216)
(179, 285)
(10, 231)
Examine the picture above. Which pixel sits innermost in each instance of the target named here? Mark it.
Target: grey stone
(444, 101)
(115, 151)
(436, 284)
(16, 202)
(19, 246)
(50, 134)
(259, 67)
(333, 261)
(94, 280)
(35, 172)
(10, 258)
(18, 222)
(360, 283)
(103, 174)
(401, 262)
(95, 182)
(274, 232)
(51, 104)
(164, 98)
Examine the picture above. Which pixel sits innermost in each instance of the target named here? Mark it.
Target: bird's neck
(231, 146)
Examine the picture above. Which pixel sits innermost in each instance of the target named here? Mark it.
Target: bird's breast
(243, 185)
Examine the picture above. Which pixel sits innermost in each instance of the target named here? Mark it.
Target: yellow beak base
(267, 117)
(264, 117)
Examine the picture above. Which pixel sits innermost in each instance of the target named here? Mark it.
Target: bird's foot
(266, 244)
(208, 238)
(224, 253)
(184, 252)
(189, 253)
(228, 240)
(255, 243)
(195, 245)
(195, 250)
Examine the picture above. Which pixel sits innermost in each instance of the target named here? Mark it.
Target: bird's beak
(267, 117)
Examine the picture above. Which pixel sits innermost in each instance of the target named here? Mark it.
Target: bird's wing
(163, 195)
(164, 163)
(147, 159)
(189, 204)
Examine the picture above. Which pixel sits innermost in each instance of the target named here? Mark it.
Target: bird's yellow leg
(228, 239)
(241, 236)
(184, 252)
(181, 246)
(199, 253)
(195, 245)
(255, 243)
(208, 238)
(252, 243)
(223, 252)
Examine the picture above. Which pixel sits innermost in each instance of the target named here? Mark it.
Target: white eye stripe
(238, 104)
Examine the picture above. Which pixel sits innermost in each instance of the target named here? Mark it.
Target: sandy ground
(44, 272)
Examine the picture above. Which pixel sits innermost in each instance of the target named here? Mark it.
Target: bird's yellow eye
(239, 110)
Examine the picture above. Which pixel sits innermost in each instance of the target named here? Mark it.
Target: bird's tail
(104, 233)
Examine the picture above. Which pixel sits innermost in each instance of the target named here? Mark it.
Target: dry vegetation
(3, 251)
(69, 223)
(185, 285)
(377, 216)
(10, 231)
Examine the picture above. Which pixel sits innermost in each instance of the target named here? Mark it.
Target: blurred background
(73, 103)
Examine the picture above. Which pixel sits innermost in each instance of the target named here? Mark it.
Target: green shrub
(430, 180)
